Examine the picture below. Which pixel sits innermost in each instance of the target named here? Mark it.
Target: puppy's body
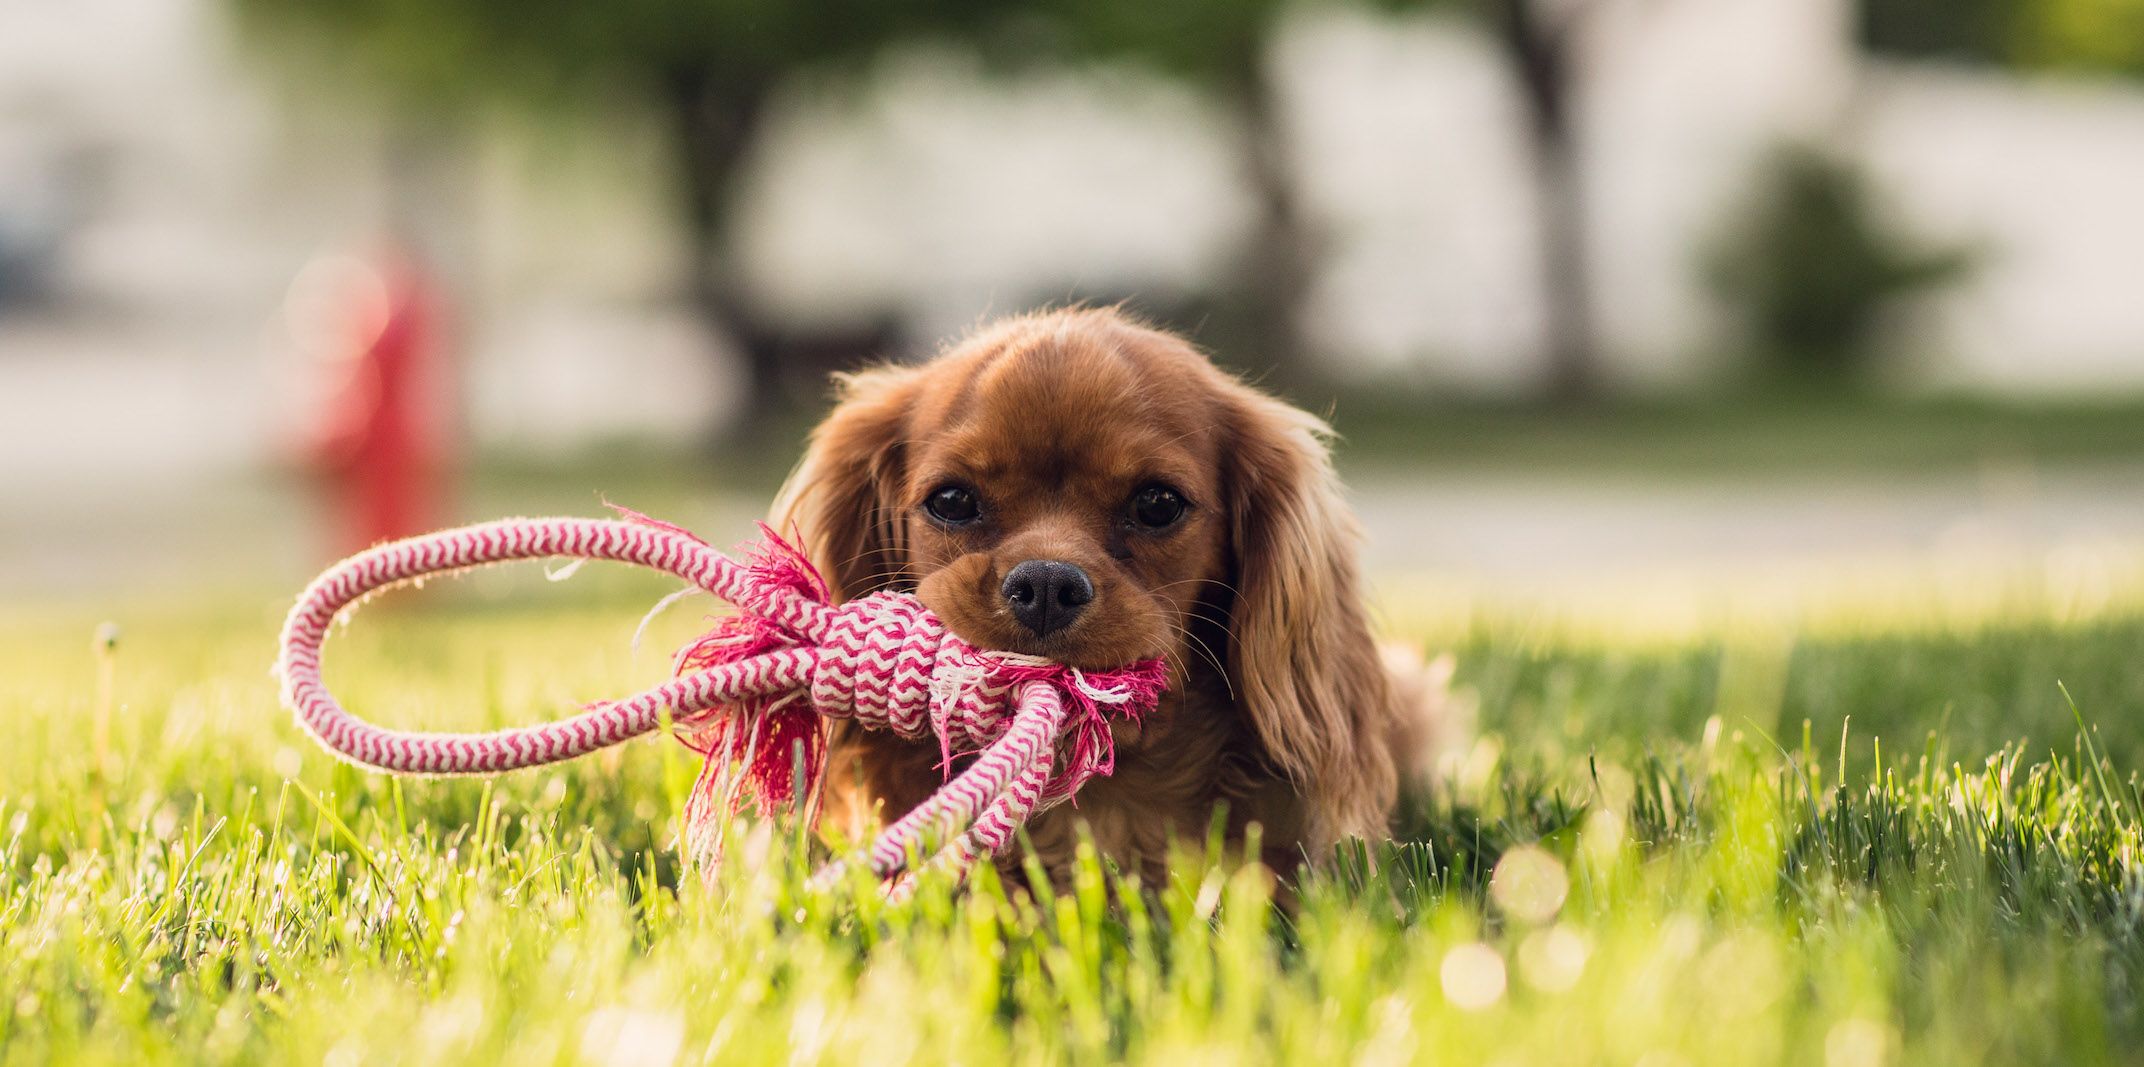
(1077, 486)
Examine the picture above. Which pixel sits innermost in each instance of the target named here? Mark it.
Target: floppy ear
(1304, 666)
(841, 499)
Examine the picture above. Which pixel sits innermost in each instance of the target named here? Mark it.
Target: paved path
(1544, 532)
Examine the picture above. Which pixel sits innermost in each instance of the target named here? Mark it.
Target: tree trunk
(713, 125)
(1541, 55)
(1566, 275)
(1277, 272)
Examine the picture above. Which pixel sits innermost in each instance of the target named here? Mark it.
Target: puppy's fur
(1278, 705)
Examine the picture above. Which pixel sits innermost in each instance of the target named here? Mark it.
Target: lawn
(1410, 432)
(1849, 842)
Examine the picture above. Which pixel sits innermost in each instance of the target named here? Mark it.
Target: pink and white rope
(884, 660)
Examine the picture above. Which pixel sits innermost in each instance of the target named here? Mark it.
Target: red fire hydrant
(382, 438)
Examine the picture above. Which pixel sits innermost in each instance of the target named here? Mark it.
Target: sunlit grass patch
(1783, 843)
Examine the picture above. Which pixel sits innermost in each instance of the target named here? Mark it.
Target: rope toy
(754, 694)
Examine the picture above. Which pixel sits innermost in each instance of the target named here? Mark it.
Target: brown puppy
(1075, 485)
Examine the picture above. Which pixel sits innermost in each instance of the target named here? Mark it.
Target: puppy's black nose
(1046, 595)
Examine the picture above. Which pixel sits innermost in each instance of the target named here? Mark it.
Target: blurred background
(1612, 299)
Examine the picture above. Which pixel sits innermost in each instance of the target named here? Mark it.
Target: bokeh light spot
(1553, 960)
(1473, 976)
(1529, 884)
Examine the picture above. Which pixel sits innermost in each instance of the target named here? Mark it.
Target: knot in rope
(888, 662)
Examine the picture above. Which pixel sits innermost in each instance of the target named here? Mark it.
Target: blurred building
(162, 189)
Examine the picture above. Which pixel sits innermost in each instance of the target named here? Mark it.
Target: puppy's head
(1077, 486)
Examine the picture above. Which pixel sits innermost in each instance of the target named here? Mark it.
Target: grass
(1649, 858)
(1779, 434)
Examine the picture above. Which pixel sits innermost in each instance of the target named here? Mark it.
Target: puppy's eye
(954, 505)
(1157, 506)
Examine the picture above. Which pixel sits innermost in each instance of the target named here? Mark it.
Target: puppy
(1076, 485)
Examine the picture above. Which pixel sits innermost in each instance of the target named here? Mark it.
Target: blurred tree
(1225, 46)
(2090, 35)
(1817, 266)
(1222, 47)
(1540, 39)
(708, 67)
(1542, 43)
(1984, 31)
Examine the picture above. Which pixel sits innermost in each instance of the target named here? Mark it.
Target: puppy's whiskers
(1206, 651)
